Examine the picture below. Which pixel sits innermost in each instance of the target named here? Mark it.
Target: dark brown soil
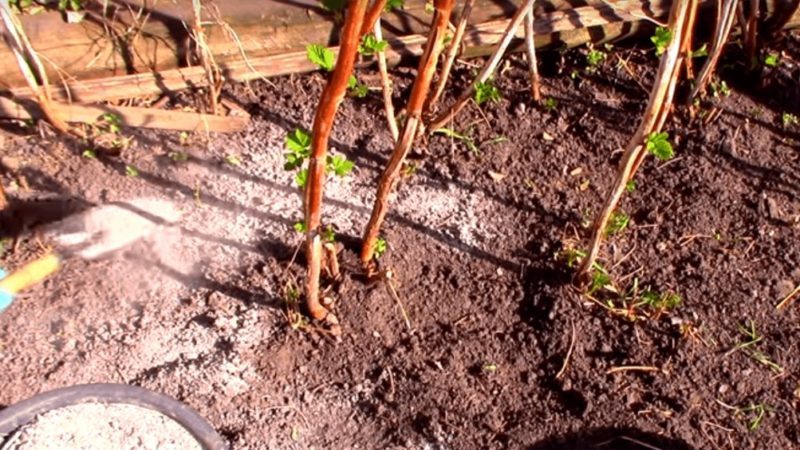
(493, 311)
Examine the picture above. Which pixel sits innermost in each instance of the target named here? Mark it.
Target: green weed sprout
(659, 146)
(487, 92)
(661, 39)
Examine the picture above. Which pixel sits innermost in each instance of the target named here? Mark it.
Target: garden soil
(503, 352)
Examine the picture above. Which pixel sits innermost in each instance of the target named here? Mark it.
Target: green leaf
(789, 119)
(600, 279)
(394, 4)
(333, 5)
(233, 160)
(630, 186)
(179, 156)
(371, 45)
(486, 92)
(339, 165)
(300, 227)
(131, 171)
(301, 177)
(328, 234)
(322, 56)
(658, 144)
(380, 247)
(702, 51)
(299, 142)
(617, 223)
(550, 104)
(89, 154)
(357, 89)
(594, 58)
(661, 39)
(772, 60)
(456, 135)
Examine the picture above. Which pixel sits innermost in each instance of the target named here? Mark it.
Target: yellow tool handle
(31, 273)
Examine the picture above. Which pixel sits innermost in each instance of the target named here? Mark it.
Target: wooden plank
(554, 28)
(129, 116)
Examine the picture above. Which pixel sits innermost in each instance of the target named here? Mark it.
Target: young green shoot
(322, 56)
(328, 234)
(357, 89)
(179, 156)
(660, 302)
(298, 146)
(617, 223)
(702, 51)
(755, 411)
(233, 160)
(720, 89)
(748, 346)
(630, 186)
(661, 39)
(772, 60)
(89, 154)
(131, 171)
(468, 141)
(487, 92)
(371, 45)
(550, 104)
(659, 146)
(789, 119)
(380, 247)
(394, 4)
(594, 58)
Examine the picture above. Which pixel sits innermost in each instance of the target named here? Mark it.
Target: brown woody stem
(386, 83)
(654, 117)
(419, 92)
(331, 98)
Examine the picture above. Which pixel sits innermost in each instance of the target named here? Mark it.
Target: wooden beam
(129, 116)
(552, 29)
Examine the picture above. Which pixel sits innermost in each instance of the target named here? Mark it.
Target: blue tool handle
(5, 297)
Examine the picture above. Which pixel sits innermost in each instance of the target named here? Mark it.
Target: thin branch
(386, 83)
(452, 52)
(530, 47)
(28, 62)
(488, 68)
(726, 13)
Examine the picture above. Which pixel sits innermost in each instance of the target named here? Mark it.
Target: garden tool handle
(30, 274)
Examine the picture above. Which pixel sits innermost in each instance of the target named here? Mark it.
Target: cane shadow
(611, 438)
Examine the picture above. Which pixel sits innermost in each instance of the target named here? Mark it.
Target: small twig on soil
(32, 69)
(387, 276)
(530, 47)
(654, 117)
(488, 68)
(419, 92)
(333, 260)
(726, 13)
(569, 353)
(452, 52)
(791, 296)
(388, 106)
(332, 95)
(619, 369)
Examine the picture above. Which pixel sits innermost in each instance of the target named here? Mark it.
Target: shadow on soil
(611, 439)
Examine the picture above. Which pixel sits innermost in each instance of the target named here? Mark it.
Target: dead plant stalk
(31, 67)
(386, 83)
(331, 98)
(213, 73)
(530, 48)
(488, 68)
(427, 67)
(654, 117)
(452, 52)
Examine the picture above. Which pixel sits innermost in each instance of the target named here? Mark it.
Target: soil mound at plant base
(95, 426)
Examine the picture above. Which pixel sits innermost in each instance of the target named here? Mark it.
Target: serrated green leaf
(659, 146)
(322, 56)
(661, 39)
(486, 92)
(301, 178)
(299, 142)
(371, 45)
(394, 4)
